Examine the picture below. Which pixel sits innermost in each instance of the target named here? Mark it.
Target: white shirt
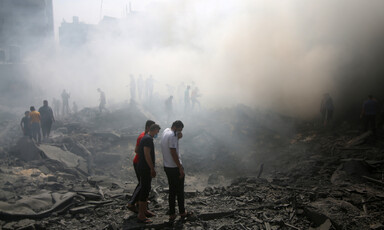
(168, 141)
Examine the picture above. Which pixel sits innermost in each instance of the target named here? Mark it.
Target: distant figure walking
(150, 86)
(103, 100)
(25, 125)
(56, 107)
(140, 86)
(194, 95)
(65, 97)
(47, 119)
(326, 109)
(169, 108)
(133, 88)
(35, 124)
(187, 99)
(369, 113)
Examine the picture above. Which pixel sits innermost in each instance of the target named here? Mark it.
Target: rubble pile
(278, 175)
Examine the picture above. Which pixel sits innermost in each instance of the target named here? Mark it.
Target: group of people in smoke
(42, 119)
(370, 110)
(145, 90)
(144, 165)
(34, 120)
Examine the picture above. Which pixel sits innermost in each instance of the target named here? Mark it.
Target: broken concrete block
(26, 150)
(110, 136)
(334, 210)
(82, 209)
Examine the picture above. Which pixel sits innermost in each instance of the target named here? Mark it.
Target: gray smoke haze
(279, 55)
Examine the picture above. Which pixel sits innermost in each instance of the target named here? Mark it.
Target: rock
(332, 209)
(52, 186)
(62, 130)
(26, 150)
(66, 158)
(103, 158)
(52, 179)
(215, 215)
(110, 136)
(325, 226)
(376, 226)
(36, 206)
(26, 224)
(82, 209)
(349, 169)
(6, 195)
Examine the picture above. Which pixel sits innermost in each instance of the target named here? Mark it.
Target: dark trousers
(35, 128)
(176, 189)
(46, 127)
(370, 122)
(135, 194)
(144, 186)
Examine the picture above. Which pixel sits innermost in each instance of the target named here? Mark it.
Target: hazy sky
(269, 53)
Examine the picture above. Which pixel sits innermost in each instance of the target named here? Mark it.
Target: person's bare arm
(148, 159)
(175, 158)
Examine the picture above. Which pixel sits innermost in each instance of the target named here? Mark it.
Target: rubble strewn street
(281, 173)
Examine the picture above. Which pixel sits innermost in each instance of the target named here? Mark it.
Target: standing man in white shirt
(173, 167)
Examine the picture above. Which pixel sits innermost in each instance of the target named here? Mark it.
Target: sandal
(150, 214)
(132, 208)
(144, 221)
(172, 217)
(186, 214)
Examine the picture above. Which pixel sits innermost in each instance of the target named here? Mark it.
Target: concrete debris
(269, 177)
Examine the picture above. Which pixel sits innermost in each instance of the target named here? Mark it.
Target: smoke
(279, 55)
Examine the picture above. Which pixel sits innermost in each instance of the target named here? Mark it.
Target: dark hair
(148, 124)
(32, 108)
(45, 101)
(154, 127)
(26, 112)
(370, 96)
(177, 124)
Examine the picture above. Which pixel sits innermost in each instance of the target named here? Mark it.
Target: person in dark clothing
(146, 168)
(47, 119)
(25, 125)
(65, 97)
(369, 113)
(103, 100)
(326, 109)
(134, 198)
(169, 108)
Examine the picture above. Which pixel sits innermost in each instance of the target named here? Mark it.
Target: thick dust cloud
(279, 55)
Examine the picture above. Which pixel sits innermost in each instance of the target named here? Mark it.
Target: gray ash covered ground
(82, 178)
